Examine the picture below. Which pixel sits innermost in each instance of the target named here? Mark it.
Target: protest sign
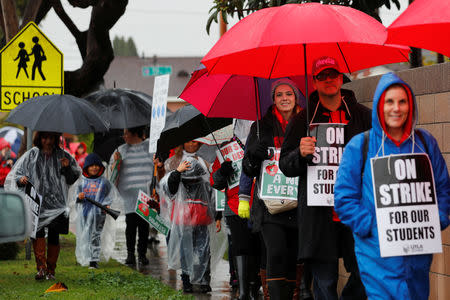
(274, 184)
(149, 214)
(234, 153)
(34, 203)
(159, 107)
(406, 205)
(221, 198)
(321, 174)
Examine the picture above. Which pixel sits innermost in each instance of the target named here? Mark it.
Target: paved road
(158, 267)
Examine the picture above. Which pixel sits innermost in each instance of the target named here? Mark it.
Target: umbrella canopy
(58, 113)
(217, 137)
(424, 24)
(283, 41)
(186, 124)
(13, 135)
(237, 96)
(123, 108)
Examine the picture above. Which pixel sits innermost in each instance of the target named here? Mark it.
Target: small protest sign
(406, 205)
(34, 203)
(274, 184)
(221, 198)
(159, 107)
(149, 214)
(234, 153)
(321, 174)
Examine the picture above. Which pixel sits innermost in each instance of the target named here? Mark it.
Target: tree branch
(77, 34)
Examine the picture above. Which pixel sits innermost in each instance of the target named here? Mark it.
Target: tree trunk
(11, 23)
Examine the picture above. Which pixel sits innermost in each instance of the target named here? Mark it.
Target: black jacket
(252, 168)
(317, 238)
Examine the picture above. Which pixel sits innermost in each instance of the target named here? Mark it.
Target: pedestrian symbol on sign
(23, 56)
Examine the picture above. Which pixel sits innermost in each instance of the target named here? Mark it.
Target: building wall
(431, 85)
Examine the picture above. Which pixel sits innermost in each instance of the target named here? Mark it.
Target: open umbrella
(424, 24)
(123, 108)
(13, 135)
(58, 113)
(236, 96)
(284, 41)
(186, 124)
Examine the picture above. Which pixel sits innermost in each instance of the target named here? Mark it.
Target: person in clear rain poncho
(50, 170)
(94, 229)
(186, 186)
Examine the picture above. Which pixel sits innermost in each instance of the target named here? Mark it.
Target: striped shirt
(136, 171)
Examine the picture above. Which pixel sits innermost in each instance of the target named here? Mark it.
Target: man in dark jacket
(322, 237)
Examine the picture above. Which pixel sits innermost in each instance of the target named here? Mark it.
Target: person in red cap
(7, 158)
(322, 237)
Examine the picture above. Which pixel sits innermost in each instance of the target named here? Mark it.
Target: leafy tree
(241, 7)
(124, 48)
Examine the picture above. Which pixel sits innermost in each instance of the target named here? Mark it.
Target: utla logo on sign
(30, 66)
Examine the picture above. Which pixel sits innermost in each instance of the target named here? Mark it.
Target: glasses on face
(328, 73)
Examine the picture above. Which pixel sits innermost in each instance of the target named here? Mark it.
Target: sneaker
(40, 275)
(205, 288)
(50, 276)
(143, 261)
(93, 265)
(131, 260)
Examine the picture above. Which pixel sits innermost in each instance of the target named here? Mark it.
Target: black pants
(243, 240)
(281, 250)
(135, 222)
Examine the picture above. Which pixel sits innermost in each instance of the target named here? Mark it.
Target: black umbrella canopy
(58, 113)
(186, 124)
(123, 108)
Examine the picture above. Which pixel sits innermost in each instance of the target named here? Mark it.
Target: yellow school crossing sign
(30, 66)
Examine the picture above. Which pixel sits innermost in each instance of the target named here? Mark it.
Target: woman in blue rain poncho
(393, 132)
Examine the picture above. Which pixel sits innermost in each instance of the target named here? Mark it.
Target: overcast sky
(165, 28)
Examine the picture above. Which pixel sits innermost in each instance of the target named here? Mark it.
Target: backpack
(365, 147)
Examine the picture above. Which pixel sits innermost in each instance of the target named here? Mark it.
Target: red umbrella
(232, 96)
(424, 24)
(277, 41)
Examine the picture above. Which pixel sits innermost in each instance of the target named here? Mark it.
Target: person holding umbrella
(322, 237)
(50, 170)
(135, 172)
(279, 230)
(393, 120)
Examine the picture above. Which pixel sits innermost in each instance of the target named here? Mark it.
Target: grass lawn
(112, 281)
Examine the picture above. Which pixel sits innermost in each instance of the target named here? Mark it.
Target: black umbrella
(186, 124)
(58, 113)
(123, 108)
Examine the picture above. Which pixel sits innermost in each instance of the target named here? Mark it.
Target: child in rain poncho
(92, 239)
(186, 186)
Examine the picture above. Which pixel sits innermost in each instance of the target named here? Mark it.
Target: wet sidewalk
(157, 268)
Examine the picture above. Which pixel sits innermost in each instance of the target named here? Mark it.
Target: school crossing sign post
(31, 66)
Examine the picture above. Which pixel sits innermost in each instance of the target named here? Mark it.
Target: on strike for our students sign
(321, 176)
(406, 205)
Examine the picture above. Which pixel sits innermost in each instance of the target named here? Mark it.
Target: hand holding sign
(307, 145)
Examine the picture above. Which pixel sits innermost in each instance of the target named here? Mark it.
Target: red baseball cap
(324, 62)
